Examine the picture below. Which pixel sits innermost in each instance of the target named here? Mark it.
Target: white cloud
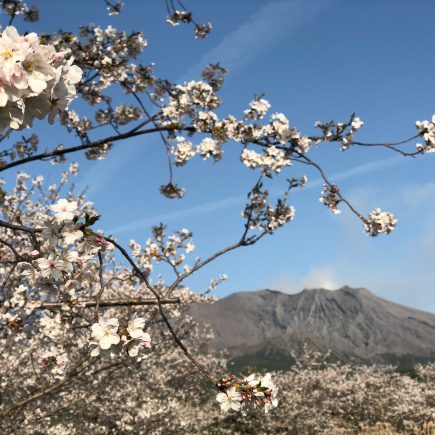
(321, 277)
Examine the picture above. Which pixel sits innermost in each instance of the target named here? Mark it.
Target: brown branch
(376, 144)
(31, 231)
(108, 303)
(19, 227)
(100, 275)
(242, 242)
(165, 142)
(11, 247)
(310, 162)
(203, 263)
(90, 145)
(391, 146)
(161, 310)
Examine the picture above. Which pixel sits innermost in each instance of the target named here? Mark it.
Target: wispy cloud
(239, 200)
(100, 173)
(267, 26)
(367, 168)
(169, 217)
(415, 195)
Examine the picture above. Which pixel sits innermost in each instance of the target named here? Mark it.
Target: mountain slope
(352, 323)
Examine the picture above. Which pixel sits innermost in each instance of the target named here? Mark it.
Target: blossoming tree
(74, 303)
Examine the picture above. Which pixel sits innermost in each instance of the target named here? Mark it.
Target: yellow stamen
(7, 54)
(29, 67)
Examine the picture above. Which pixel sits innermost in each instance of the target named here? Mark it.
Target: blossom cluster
(107, 333)
(255, 391)
(201, 31)
(196, 100)
(330, 197)
(183, 151)
(264, 216)
(18, 7)
(171, 249)
(35, 80)
(279, 129)
(272, 159)
(379, 222)
(186, 98)
(340, 131)
(426, 129)
(257, 109)
(67, 248)
(104, 54)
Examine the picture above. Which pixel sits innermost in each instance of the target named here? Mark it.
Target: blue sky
(317, 60)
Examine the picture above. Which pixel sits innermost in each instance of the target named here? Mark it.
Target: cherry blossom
(35, 80)
(64, 210)
(230, 400)
(135, 327)
(379, 222)
(105, 332)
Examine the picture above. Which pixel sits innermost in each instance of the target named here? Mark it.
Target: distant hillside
(264, 328)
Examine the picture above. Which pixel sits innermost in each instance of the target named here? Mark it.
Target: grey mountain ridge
(352, 323)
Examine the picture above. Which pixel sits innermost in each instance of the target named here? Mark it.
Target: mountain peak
(351, 321)
(344, 288)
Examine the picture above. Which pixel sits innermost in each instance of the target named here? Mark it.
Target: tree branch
(161, 310)
(109, 303)
(90, 145)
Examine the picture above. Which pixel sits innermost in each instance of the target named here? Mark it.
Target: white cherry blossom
(64, 210)
(135, 327)
(105, 332)
(230, 400)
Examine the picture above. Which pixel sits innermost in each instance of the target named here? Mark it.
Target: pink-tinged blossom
(64, 210)
(270, 395)
(37, 72)
(53, 267)
(12, 48)
(35, 80)
(138, 346)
